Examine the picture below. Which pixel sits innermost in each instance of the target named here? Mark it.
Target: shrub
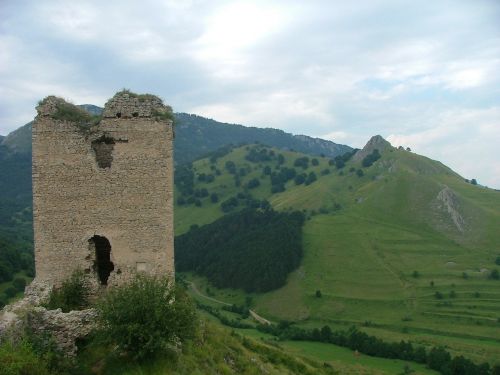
(368, 160)
(19, 283)
(253, 183)
(311, 177)
(3, 300)
(300, 179)
(146, 317)
(318, 294)
(21, 359)
(494, 274)
(214, 198)
(10, 291)
(72, 295)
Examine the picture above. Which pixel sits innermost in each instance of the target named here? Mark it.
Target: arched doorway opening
(103, 265)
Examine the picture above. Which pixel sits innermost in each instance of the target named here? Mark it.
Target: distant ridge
(196, 136)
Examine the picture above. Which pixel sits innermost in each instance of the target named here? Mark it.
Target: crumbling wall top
(126, 104)
(53, 105)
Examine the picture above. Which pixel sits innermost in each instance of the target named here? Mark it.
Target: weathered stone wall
(27, 314)
(113, 180)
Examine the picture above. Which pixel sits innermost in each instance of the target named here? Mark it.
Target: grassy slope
(363, 256)
(215, 350)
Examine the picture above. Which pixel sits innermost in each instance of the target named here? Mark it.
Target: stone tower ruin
(103, 189)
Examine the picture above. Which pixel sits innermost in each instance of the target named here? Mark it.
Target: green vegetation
(21, 358)
(150, 327)
(72, 113)
(362, 256)
(148, 317)
(369, 159)
(73, 294)
(214, 350)
(141, 97)
(164, 115)
(196, 137)
(253, 250)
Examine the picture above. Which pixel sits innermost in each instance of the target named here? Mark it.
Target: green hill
(404, 249)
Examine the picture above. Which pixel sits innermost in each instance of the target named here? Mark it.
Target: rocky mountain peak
(376, 142)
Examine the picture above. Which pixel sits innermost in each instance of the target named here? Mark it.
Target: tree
(359, 173)
(497, 261)
(369, 159)
(473, 181)
(171, 317)
(326, 334)
(19, 283)
(314, 162)
(214, 198)
(318, 294)
(10, 291)
(438, 358)
(311, 177)
(300, 179)
(416, 274)
(230, 166)
(494, 275)
(253, 183)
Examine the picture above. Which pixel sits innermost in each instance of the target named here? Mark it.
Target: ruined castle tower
(103, 192)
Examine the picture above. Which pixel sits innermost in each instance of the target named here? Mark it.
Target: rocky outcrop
(377, 142)
(449, 202)
(64, 328)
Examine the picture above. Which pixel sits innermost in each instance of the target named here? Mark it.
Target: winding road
(254, 315)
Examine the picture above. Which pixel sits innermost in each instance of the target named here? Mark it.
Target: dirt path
(254, 315)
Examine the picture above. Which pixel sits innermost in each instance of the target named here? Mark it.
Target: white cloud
(466, 140)
(424, 73)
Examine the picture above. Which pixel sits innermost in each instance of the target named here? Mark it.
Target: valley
(389, 260)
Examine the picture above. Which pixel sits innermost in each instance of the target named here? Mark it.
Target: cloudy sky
(423, 74)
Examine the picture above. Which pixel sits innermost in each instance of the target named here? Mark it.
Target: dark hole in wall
(103, 149)
(135, 114)
(119, 114)
(103, 265)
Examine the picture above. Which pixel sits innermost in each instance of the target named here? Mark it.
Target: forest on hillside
(253, 249)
